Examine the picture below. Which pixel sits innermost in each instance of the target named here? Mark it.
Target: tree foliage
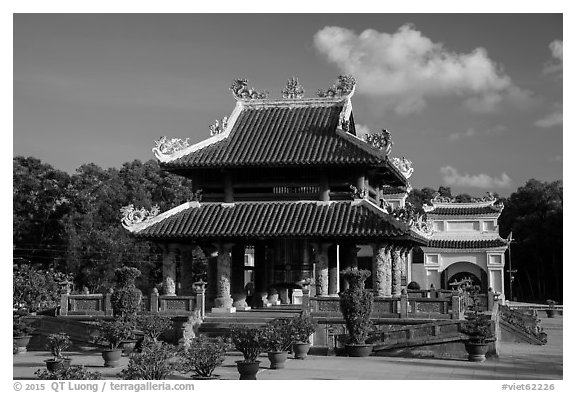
(534, 215)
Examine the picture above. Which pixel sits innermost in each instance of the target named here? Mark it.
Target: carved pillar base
(223, 301)
(240, 301)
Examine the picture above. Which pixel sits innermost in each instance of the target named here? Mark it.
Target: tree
(534, 215)
(419, 198)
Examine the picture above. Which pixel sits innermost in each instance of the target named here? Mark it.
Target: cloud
(498, 129)
(453, 178)
(362, 129)
(555, 66)
(551, 120)
(405, 69)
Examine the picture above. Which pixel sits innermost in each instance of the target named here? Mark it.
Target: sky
(475, 101)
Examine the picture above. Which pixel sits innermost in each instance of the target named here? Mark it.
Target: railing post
(200, 305)
(64, 303)
(108, 303)
(154, 301)
(403, 304)
(306, 300)
(457, 308)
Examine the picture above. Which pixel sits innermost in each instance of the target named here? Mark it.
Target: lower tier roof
(461, 243)
(359, 220)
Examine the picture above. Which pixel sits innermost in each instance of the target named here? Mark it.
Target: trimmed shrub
(126, 298)
(71, 373)
(302, 327)
(278, 335)
(250, 341)
(153, 325)
(156, 361)
(203, 356)
(356, 305)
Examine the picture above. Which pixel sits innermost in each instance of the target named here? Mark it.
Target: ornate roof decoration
(218, 127)
(381, 141)
(407, 213)
(359, 194)
(440, 199)
(450, 206)
(241, 91)
(132, 217)
(423, 226)
(344, 86)
(404, 165)
(293, 89)
(343, 122)
(165, 147)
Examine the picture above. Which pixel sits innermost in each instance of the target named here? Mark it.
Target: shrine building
(287, 194)
(465, 245)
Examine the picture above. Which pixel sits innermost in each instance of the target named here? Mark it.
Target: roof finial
(344, 86)
(381, 141)
(293, 89)
(242, 92)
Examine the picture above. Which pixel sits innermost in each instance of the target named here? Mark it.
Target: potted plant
(21, 331)
(303, 326)
(551, 311)
(203, 356)
(71, 373)
(112, 333)
(250, 342)
(356, 307)
(57, 343)
(278, 339)
(152, 325)
(156, 361)
(479, 330)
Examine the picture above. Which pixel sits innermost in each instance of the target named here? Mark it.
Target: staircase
(216, 324)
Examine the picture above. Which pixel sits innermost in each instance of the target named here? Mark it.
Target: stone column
(186, 279)
(404, 266)
(322, 269)
(169, 269)
(259, 296)
(223, 301)
(333, 267)
(396, 273)
(379, 270)
(237, 286)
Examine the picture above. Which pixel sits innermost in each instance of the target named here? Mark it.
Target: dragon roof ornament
(240, 91)
(218, 127)
(132, 217)
(381, 141)
(293, 89)
(344, 87)
(403, 165)
(165, 147)
(408, 214)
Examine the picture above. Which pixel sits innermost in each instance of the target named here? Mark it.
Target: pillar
(404, 266)
(396, 273)
(169, 269)
(237, 285)
(379, 270)
(223, 301)
(259, 297)
(324, 188)
(333, 273)
(186, 276)
(321, 269)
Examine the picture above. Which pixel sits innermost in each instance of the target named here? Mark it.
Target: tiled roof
(274, 219)
(479, 243)
(464, 211)
(283, 134)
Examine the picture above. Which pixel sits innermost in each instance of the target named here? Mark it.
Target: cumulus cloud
(405, 68)
(555, 66)
(551, 120)
(453, 178)
(457, 135)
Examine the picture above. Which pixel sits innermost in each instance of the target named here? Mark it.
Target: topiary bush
(356, 305)
(126, 298)
(302, 327)
(203, 356)
(156, 361)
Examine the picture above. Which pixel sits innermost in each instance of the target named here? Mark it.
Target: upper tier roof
(465, 210)
(285, 132)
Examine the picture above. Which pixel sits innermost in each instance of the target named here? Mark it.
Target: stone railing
(452, 307)
(99, 304)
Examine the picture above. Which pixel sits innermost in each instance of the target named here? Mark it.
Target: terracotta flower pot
(128, 347)
(21, 343)
(248, 370)
(476, 351)
(277, 359)
(111, 357)
(552, 313)
(300, 350)
(358, 350)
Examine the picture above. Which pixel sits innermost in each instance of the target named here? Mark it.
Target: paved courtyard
(517, 361)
